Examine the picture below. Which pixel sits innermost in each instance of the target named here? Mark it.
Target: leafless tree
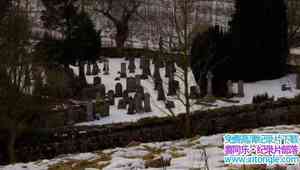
(119, 13)
(293, 22)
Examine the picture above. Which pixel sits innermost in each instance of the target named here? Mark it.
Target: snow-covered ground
(185, 155)
(272, 87)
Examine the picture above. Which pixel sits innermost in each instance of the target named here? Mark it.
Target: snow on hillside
(185, 155)
(272, 87)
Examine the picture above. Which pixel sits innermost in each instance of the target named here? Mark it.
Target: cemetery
(147, 85)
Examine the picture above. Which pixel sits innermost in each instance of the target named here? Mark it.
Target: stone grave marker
(241, 92)
(123, 70)
(118, 90)
(130, 84)
(138, 102)
(147, 103)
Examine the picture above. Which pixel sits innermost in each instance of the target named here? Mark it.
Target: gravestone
(161, 94)
(144, 74)
(229, 89)
(147, 103)
(194, 92)
(95, 69)
(106, 67)
(209, 77)
(142, 62)
(131, 66)
(171, 85)
(123, 70)
(88, 70)
(97, 81)
(156, 73)
(89, 111)
(118, 90)
(146, 69)
(130, 84)
(138, 80)
(138, 101)
(140, 90)
(125, 96)
(147, 66)
(241, 92)
(122, 104)
(298, 81)
(111, 97)
(131, 106)
(102, 89)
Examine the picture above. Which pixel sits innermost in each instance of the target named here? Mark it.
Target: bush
(258, 99)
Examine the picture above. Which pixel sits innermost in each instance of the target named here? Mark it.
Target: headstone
(88, 70)
(170, 104)
(123, 70)
(156, 73)
(140, 90)
(138, 80)
(125, 96)
(118, 90)
(131, 106)
(111, 97)
(161, 94)
(97, 80)
(146, 69)
(171, 85)
(147, 103)
(241, 92)
(229, 89)
(130, 84)
(102, 89)
(95, 69)
(89, 111)
(122, 104)
(138, 101)
(106, 67)
(147, 66)
(298, 81)
(209, 77)
(144, 74)
(131, 66)
(142, 62)
(194, 92)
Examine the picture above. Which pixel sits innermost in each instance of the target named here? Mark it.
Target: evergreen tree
(259, 39)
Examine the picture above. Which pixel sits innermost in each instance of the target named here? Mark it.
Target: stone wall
(49, 143)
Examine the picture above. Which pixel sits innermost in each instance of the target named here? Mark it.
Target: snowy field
(185, 155)
(272, 87)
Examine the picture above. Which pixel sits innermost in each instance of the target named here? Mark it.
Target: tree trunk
(122, 34)
(82, 74)
(188, 105)
(11, 146)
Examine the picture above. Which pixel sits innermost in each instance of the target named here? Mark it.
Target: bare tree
(293, 22)
(119, 13)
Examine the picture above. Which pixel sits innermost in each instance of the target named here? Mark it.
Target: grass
(153, 150)
(99, 163)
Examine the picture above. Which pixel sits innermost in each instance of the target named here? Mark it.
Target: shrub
(258, 99)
